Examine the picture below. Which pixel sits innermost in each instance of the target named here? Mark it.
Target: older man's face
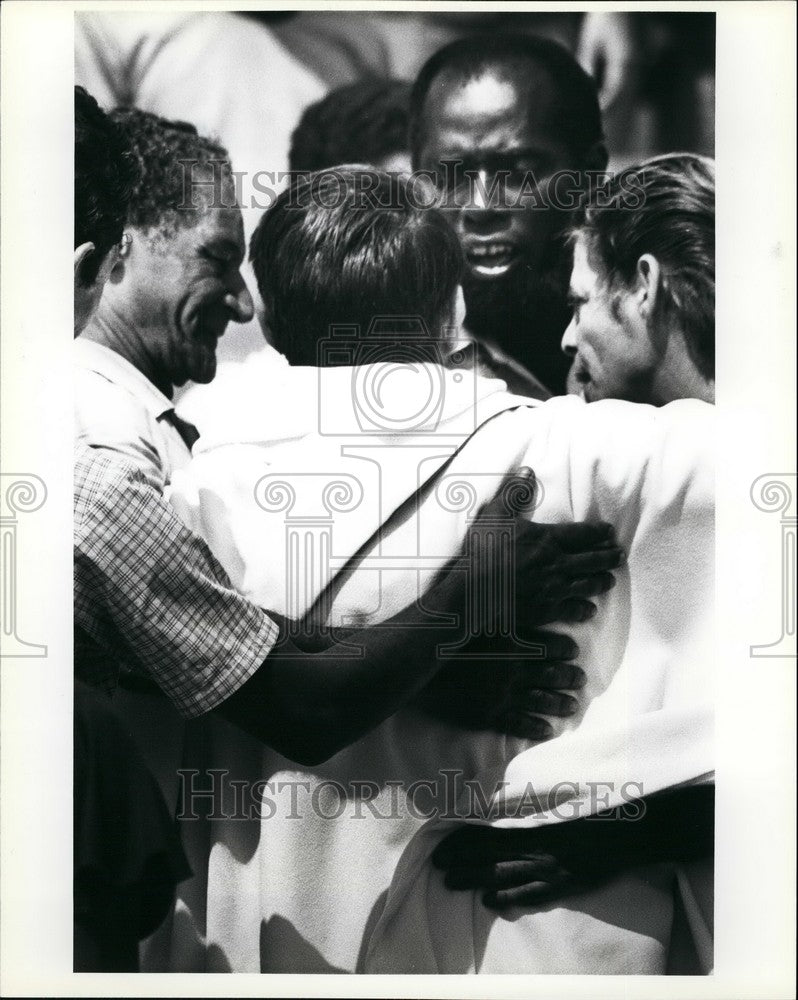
(502, 121)
(188, 287)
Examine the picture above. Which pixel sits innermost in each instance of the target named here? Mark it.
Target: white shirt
(119, 409)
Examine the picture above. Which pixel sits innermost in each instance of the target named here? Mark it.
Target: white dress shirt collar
(106, 362)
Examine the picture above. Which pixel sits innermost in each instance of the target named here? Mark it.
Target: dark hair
(363, 122)
(104, 176)
(347, 245)
(576, 108)
(664, 207)
(162, 196)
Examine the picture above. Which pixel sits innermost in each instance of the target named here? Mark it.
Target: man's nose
(482, 211)
(239, 302)
(569, 341)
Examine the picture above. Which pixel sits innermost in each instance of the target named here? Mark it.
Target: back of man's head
(346, 246)
(364, 122)
(666, 208)
(180, 172)
(104, 177)
(574, 92)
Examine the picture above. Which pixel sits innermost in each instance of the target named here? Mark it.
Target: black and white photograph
(427, 566)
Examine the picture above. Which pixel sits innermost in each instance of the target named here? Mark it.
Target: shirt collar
(520, 379)
(112, 366)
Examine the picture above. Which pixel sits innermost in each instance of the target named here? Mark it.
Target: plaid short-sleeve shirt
(150, 593)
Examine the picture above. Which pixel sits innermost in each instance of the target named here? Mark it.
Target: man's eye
(525, 173)
(575, 306)
(449, 175)
(215, 259)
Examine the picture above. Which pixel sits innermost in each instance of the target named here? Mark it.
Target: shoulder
(101, 478)
(108, 416)
(100, 402)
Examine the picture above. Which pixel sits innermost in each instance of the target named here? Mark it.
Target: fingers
(501, 875)
(524, 725)
(573, 609)
(598, 561)
(529, 676)
(473, 846)
(532, 894)
(543, 702)
(553, 646)
(591, 586)
(581, 536)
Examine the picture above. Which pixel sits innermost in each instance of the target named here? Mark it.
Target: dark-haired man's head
(349, 246)
(104, 177)
(177, 283)
(513, 113)
(364, 122)
(643, 285)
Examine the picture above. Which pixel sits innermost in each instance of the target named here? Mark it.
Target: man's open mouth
(490, 259)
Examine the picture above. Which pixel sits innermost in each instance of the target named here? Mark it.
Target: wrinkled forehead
(520, 99)
(223, 224)
(211, 226)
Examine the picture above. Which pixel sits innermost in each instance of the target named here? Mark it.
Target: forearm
(523, 867)
(676, 825)
(309, 702)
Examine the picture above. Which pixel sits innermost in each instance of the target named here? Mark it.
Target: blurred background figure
(654, 70)
(360, 123)
(229, 77)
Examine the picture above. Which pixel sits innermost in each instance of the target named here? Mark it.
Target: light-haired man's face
(608, 339)
(183, 288)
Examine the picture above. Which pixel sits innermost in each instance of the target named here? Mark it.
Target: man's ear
(459, 308)
(117, 272)
(597, 157)
(82, 254)
(647, 285)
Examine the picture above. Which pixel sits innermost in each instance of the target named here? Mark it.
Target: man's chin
(203, 370)
(204, 376)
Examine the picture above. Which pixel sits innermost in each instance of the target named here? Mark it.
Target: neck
(111, 329)
(677, 376)
(526, 319)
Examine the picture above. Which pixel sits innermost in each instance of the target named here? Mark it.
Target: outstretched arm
(309, 702)
(525, 867)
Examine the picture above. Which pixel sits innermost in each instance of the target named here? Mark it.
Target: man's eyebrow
(224, 245)
(472, 152)
(574, 298)
(530, 151)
